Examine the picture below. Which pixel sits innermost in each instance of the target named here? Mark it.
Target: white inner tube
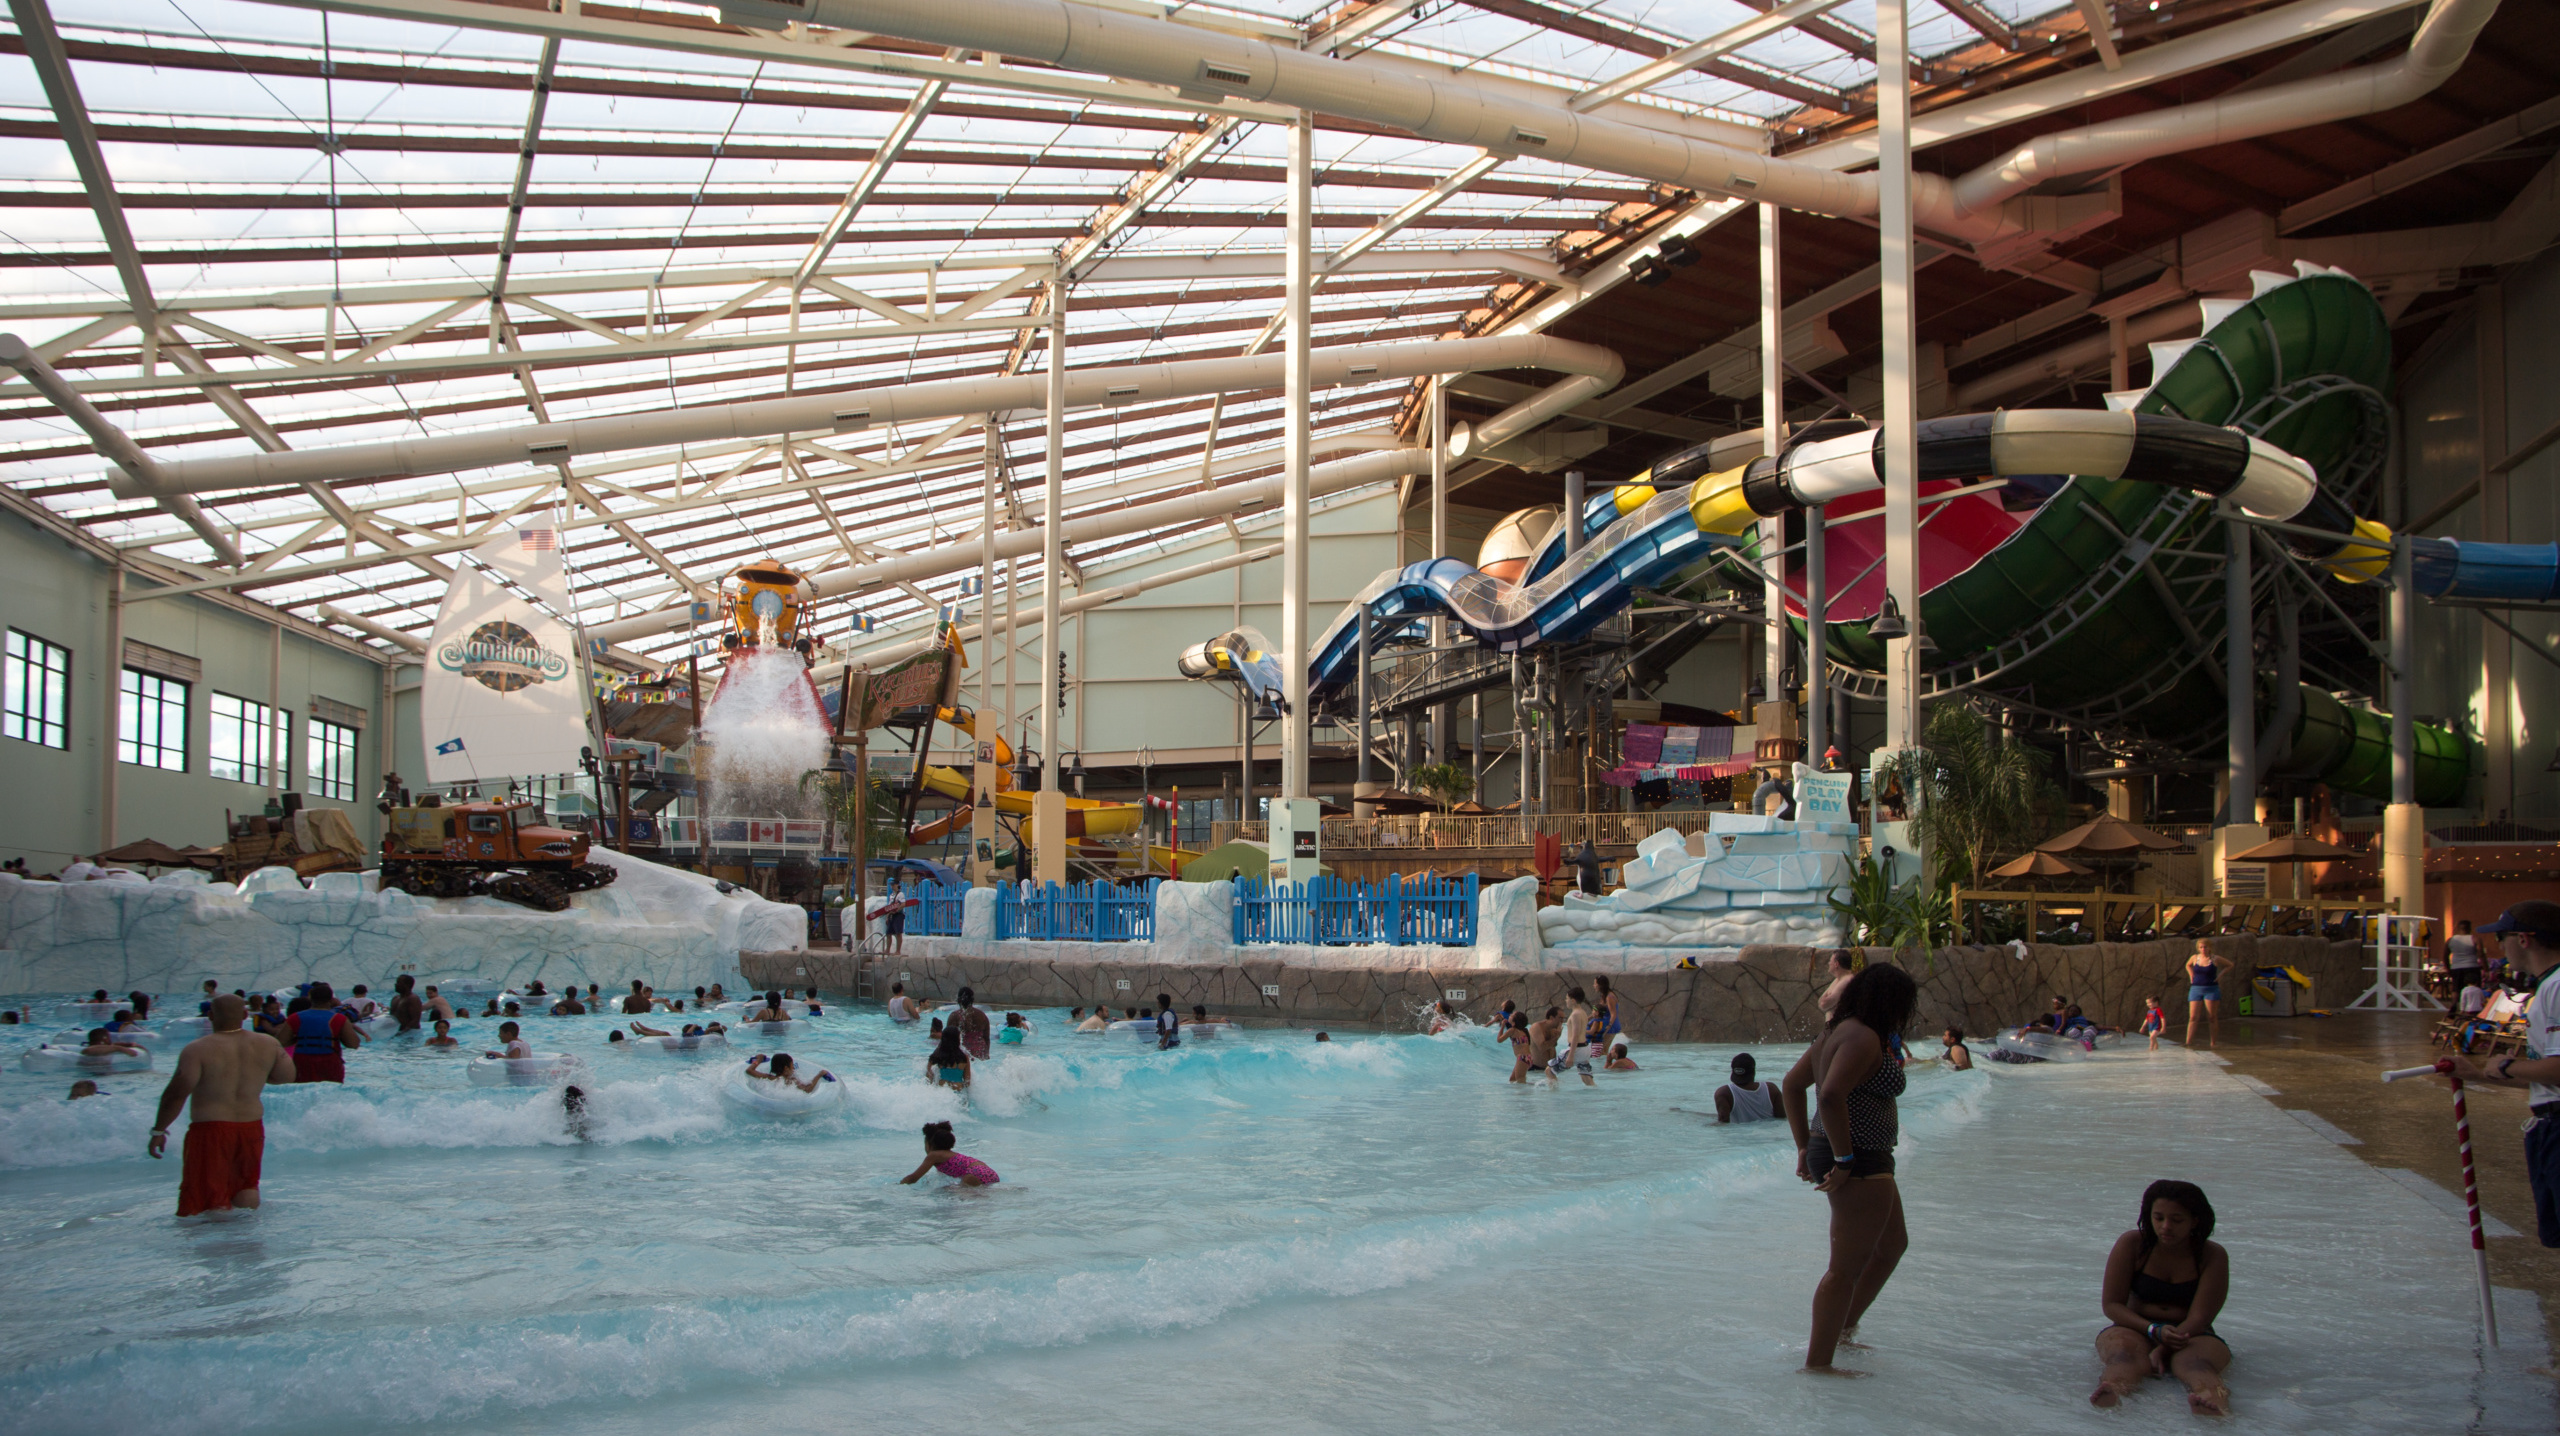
(100, 1011)
(52, 1058)
(186, 1029)
(782, 1099)
(1137, 1027)
(539, 1070)
(2037, 1042)
(143, 1038)
(461, 986)
(791, 1005)
(698, 1042)
(788, 1027)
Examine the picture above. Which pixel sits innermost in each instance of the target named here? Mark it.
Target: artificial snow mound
(662, 925)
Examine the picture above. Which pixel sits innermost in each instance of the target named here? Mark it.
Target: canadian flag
(764, 830)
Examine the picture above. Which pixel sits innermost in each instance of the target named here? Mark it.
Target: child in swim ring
(939, 1157)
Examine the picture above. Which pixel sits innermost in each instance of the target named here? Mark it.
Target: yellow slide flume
(1086, 817)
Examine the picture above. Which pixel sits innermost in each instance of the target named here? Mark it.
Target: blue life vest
(311, 1035)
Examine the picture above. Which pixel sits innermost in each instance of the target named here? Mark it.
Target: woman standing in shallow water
(2165, 1284)
(1846, 1150)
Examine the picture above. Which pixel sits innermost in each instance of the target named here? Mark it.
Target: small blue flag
(448, 747)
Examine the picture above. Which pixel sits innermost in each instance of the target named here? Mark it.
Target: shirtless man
(406, 1009)
(1577, 1024)
(1542, 1043)
(438, 1005)
(226, 1133)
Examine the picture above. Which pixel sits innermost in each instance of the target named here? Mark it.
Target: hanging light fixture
(1889, 624)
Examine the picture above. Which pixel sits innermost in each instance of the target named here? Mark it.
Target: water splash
(764, 728)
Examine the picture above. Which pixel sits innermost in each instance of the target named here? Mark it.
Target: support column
(279, 752)
(982, 813)
(1364, 776)
(1443, 716)
(2240, 828)
(1297, 822)
(111, 701)
(1576, 494)
(1901, 381)
(1817, 622)
(2404, 823)
(1049, 808)
(2497, 651)
(1773, 423)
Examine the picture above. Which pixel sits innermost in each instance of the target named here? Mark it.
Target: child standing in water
(939, 1157)
(2154, 1021)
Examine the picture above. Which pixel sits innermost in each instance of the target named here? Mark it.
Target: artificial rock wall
(1766, 995)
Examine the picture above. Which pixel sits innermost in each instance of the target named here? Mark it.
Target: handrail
(2228, 915)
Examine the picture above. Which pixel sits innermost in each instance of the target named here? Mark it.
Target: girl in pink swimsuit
(939, 1157)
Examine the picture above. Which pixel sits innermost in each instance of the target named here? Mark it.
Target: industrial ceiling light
(1889, 624)
(1677, 251)
(1650, 272)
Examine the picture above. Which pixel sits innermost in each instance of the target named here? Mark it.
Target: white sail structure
(503, 696)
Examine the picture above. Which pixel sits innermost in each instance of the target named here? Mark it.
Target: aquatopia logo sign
(503, 656)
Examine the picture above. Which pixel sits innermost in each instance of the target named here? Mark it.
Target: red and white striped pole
(2470, 1184)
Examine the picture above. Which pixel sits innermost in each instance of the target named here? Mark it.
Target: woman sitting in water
(2165, 1283)
(939, 1157)
(1845, 1136)
(785, 1072)
(949, 1064)
(771, 1011)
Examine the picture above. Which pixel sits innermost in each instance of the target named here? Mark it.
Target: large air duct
(1594, 369)
(1984, 205)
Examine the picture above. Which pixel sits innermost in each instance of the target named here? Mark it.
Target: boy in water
(1577, 1026)
(2154, 1021)
(510, 1037)
(221, 1075)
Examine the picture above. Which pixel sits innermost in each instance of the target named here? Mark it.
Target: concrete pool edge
(1768, 994)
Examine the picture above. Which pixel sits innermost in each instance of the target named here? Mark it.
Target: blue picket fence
(1078, 912)
(938, 908)
(1404, 912)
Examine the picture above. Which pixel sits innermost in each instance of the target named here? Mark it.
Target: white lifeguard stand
(2399, 965)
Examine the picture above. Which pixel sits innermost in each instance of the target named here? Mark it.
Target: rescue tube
(540, 1070)
(783, 1099)
(51, 1057)
(792, 1005)
(698, 1042)
(2045, 1046)
(787, 1027)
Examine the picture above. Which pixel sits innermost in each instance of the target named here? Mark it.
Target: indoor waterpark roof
(240, 226)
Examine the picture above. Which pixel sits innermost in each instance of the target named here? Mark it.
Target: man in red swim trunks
(227, 1132)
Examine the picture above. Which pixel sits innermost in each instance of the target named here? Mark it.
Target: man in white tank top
(1743, 1099)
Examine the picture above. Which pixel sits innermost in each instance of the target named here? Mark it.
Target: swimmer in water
(1443, 1017)
(1846, 1083)
(784, 1071)
(512, 1042)
(1100, 1021)
(1959, 1056)
(83, 1088)
(611, 1038)
(1745, 1098)
(770, 1011)
(102, 1043)
(939, 1157)
(1619, 1061)
(814, 1009)
(573, 1107)
(1012, 1033)
(902, 1008)
(2165, 1282)
(1577, 1024)
(643, 1029)
(949, 1064)
(444, 1034)
(1517, 1034)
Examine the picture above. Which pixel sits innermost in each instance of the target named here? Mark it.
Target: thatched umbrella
(2109, 837)
(2040, 865)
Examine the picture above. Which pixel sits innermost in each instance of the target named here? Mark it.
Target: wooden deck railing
(2158, 912)
(1472, 830)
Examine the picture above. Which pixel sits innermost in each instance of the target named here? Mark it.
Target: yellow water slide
(1086, 817)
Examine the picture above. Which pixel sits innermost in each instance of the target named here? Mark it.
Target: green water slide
(2105, 607)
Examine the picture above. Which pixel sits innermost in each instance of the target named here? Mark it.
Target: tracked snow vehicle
(485, 849)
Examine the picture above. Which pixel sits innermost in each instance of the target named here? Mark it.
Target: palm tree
(849, 805)
(1446, 782)
(1976, 792)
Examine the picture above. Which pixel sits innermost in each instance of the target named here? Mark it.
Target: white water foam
(764, 725)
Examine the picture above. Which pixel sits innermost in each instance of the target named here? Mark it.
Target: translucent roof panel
(321, 207)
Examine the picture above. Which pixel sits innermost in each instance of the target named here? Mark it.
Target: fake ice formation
(1746, 879)
(671, 928)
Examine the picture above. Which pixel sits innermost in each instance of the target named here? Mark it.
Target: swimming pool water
(1257, 1231)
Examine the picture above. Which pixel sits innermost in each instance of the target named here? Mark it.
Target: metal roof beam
(874, 171)
(2424, 165)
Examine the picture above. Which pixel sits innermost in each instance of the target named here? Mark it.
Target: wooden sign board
(927, 680)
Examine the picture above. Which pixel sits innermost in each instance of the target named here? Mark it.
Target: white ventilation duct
(1595, 371)
(1981, 207)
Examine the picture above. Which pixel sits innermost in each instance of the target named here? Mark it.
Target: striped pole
(2470, 1185)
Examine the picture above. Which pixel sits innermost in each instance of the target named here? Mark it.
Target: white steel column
(1443, 718)
(2404, 823)
(1296, 819)
(982, 815)
(1049, 809)
(1773, 419)
(1901, 388)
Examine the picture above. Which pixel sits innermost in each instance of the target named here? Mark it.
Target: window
(247, 741)
(38, 691)
(329, 767)
(152, 720)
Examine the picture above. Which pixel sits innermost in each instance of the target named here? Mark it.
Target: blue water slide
(1641, 550)
(2516, 572)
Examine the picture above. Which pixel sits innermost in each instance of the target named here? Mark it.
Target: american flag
(538, 540)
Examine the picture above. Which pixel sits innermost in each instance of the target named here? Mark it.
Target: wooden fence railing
(2161, 913)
